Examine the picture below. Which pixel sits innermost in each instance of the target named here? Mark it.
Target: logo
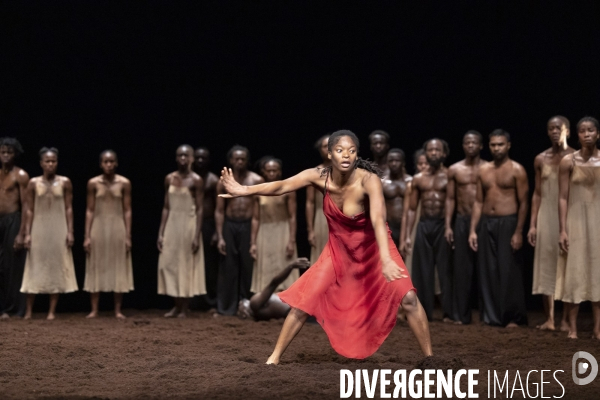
(582, 367)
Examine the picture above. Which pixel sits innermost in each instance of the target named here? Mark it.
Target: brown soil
(148, 356)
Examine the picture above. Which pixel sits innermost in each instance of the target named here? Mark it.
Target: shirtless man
(430, 249)
(209, 231)
(394, 189)
(543, 229)
(13, 185)
(266, 305)
(233, 218)
(460, 196)
(501, 204)
(380, 144)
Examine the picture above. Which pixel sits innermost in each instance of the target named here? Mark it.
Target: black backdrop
(143, 77)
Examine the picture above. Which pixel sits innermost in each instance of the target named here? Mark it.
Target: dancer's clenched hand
(230, 185)
(392, 271)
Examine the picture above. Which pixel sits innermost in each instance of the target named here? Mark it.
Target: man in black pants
(13, 181)
(209, 231)
(233, 218)
(460, 196)
(430, 248)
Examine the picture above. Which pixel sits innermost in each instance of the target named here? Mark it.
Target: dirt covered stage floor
(148, 356)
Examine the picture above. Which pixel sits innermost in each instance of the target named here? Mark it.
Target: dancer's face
(201, 158)
(395, 163)
(499, 147)
(555, 126)
(7, 154)
(239, 160)
(272, 171)
(109, 163)
(471, 145)
(422, 164)
(379, 145)
(343, 154)
(588, 133)
(49, 163)
(184, 155)
(435, 153)
(323, 149)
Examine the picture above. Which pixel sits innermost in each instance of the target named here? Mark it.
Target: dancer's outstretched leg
(292, 325)
(417, 320)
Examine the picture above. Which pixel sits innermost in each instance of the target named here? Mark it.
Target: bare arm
(476, 214)
(377, 212)
(291, 208)
(165, 215)
(255, 226)
(127, 213)
(450, 205)
(276, 188)
(536, 200)
(22, 181)
(89, 214)
(522, 197)
(28, 220)
(68, 188)
(199, 201)
(310, 214)
(564, 173)
(403, 231)
(220, 218)
(411, 212)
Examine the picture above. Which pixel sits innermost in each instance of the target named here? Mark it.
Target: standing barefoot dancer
(49, 235)
(578, 277)
(356, 287)
(108, 235)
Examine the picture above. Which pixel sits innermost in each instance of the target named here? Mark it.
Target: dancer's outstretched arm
(277, 188)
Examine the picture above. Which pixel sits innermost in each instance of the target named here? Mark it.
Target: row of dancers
(461, 232)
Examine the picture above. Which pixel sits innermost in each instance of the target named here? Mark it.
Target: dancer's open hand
(392, 271)
(230, 185)
(473, 241)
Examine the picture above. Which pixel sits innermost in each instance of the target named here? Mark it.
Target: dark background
(144, 77)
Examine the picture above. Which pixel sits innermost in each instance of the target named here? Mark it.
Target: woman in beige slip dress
(578, 277)
(108, 235)
(316, 224)
(273, 240)
(181, 260)
(48, 235)
(543, 228)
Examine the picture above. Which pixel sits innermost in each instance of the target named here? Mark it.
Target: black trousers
(395, 229)
(12, 264)
(464, 270)
(235, 269)
(211, 261)
(432, 251)
(500, 272)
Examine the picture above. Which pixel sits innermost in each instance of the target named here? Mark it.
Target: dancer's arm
(261, 298)
(68, 188)
(522, 187)
(536, 200)
(127, 212)
(377, 212)
(450, 205)
(89, 214)
(476, 215)
(164, 216)
(277, 188)
(199, 201)
(30, 193)
(564, 172)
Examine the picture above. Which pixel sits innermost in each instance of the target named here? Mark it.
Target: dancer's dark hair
(399, 151)
(111, 152)
(260, 164)
(500, 132)
(475, 133)
(317, 144)
(442, 141)
(382, 133)
(13, 143)
(235, 148)
(360, 163)
(565, 120)
(588, 119)
(45, 150)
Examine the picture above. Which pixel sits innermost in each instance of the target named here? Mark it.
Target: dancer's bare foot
(512, 325)
(4, 316)
(564, 326)
(547, 326)
(173, 313)
(447, 320)
(212, 310)
(572, 335)
(51, 317)
(27, 316)
(458, 323)
(120, 316)
(93, 314)
(272, 360)
(596, 335)
(182, 314)
(216, 315)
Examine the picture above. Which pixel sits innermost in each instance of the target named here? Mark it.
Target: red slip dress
(345, 289)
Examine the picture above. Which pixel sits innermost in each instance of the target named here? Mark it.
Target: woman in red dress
(358, 283)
